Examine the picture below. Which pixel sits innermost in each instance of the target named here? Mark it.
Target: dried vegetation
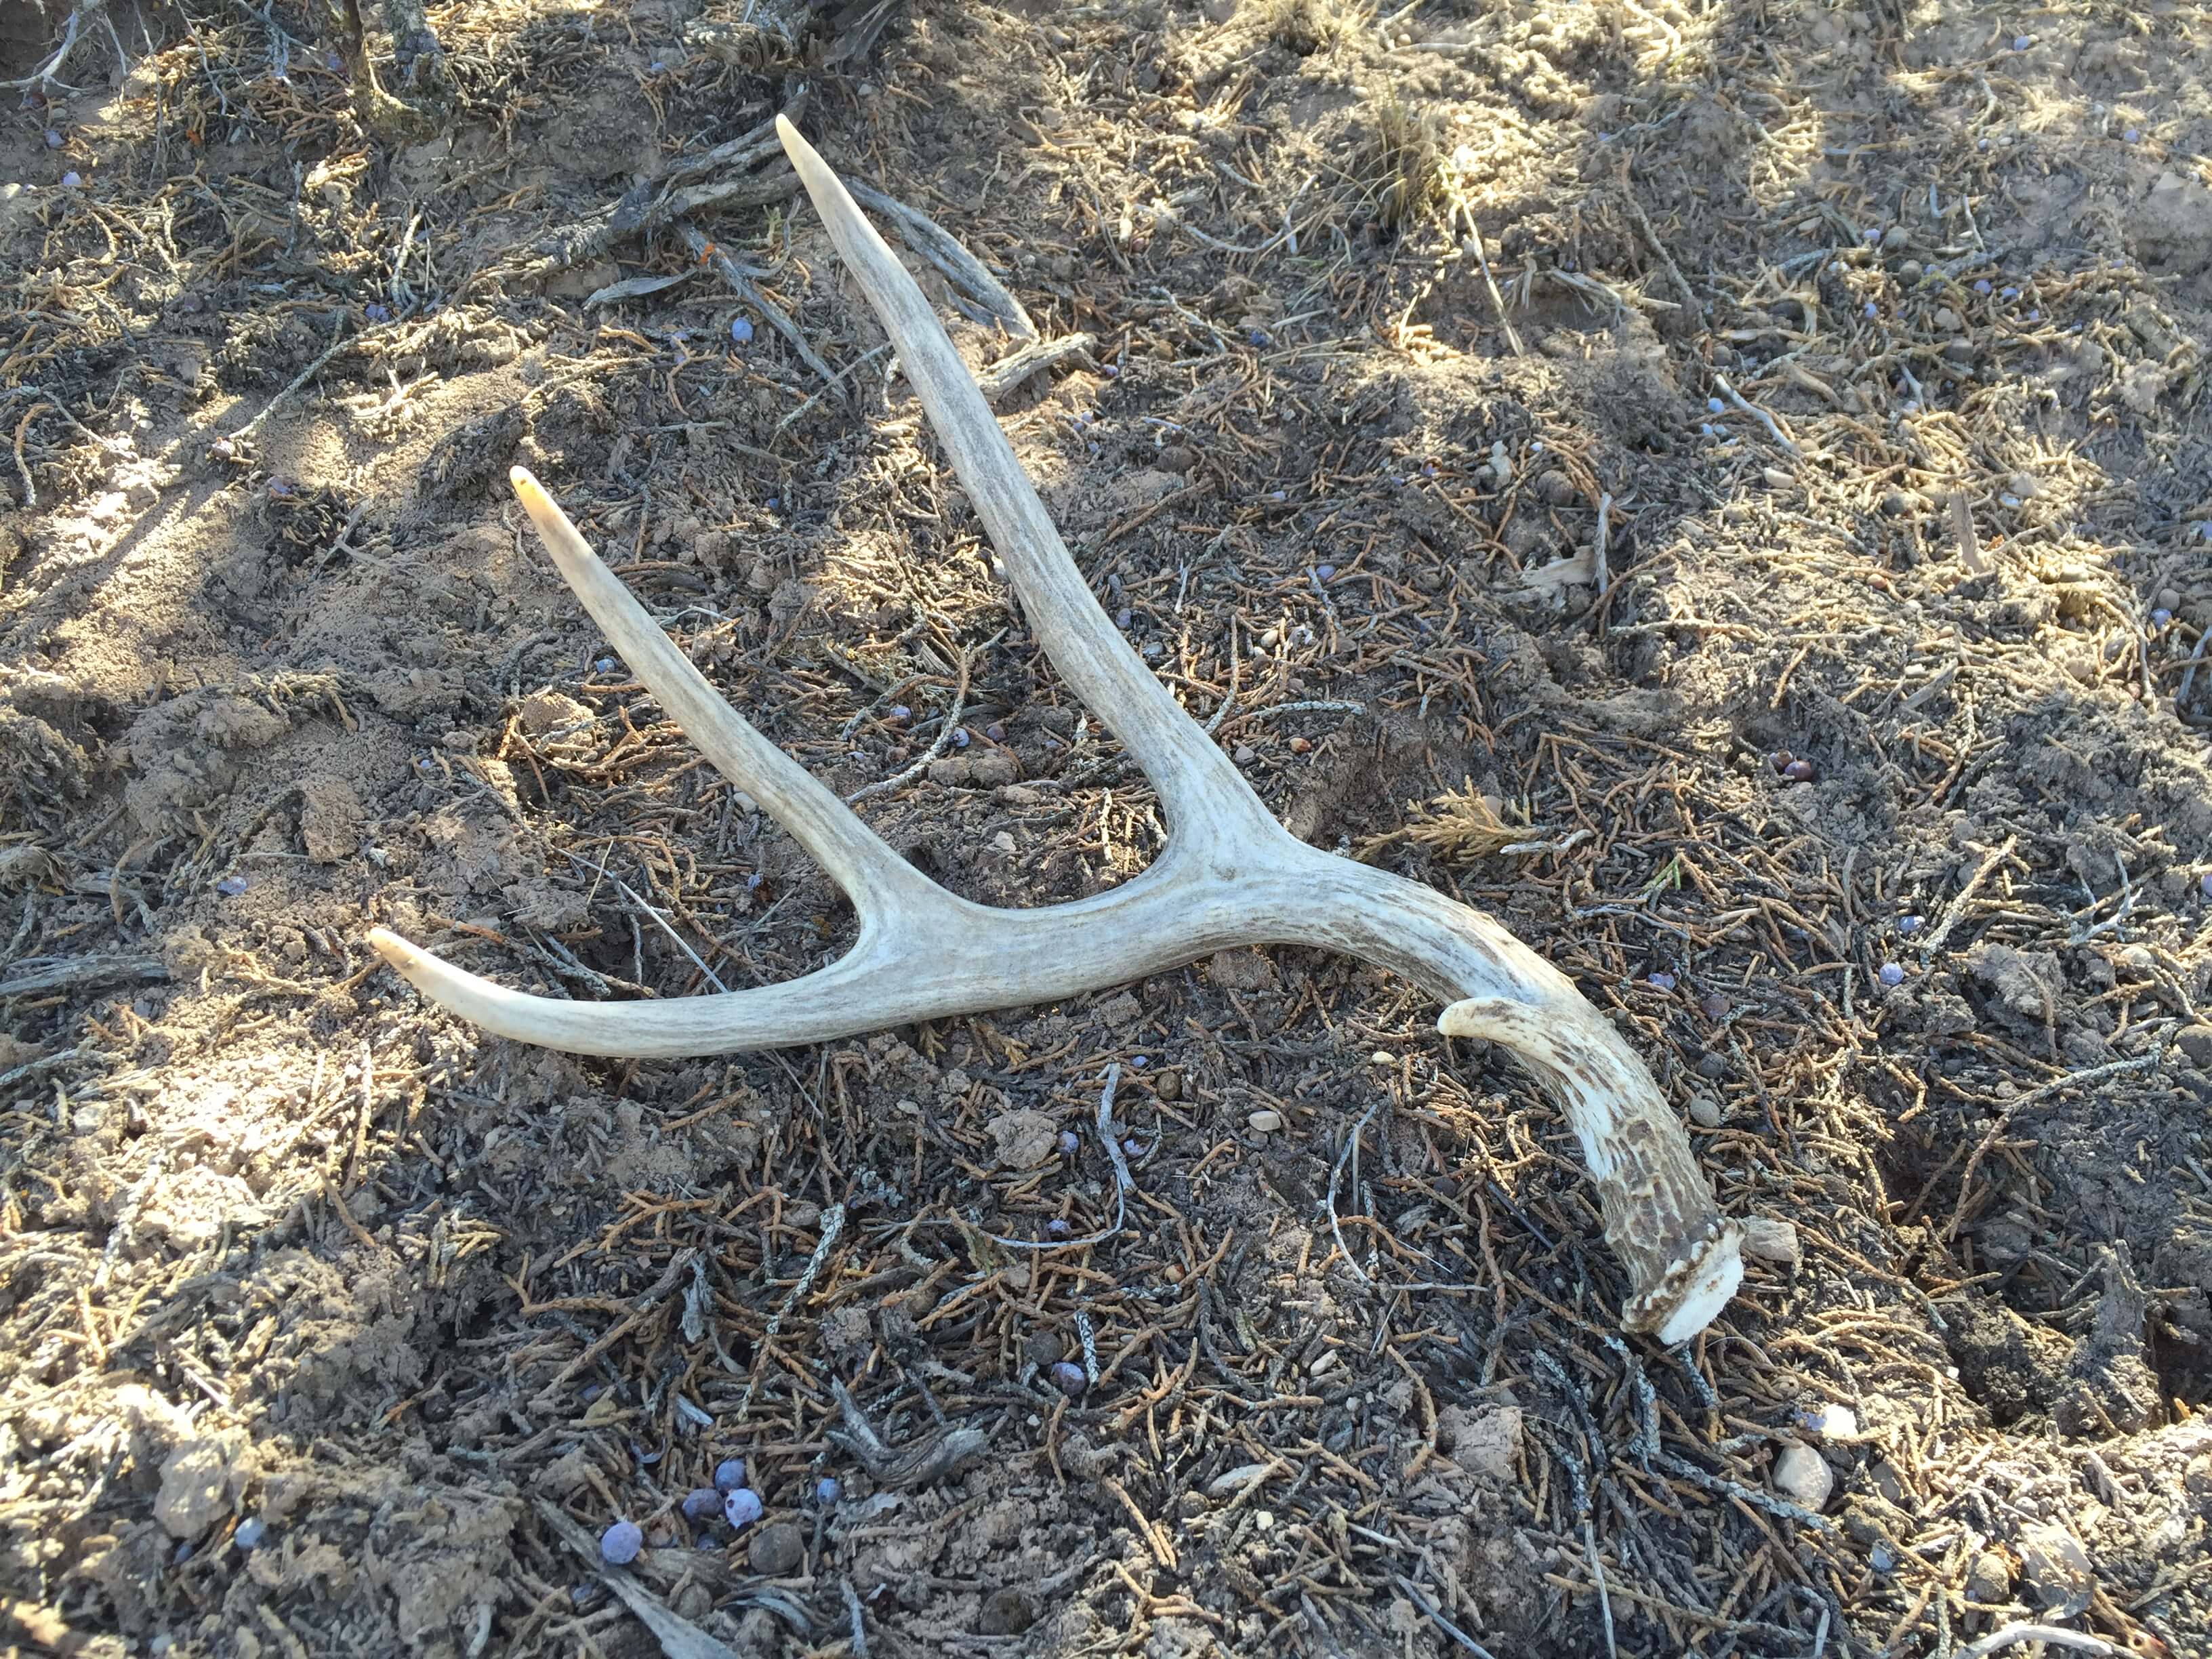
(1761, 448)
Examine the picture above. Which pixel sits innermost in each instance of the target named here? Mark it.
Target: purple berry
(72, 180)
(1799, 771)
(620, 1543)
(960, 737)
(729, 1475)
(1890, 975)
(54, 138)
(1908, 926)
(1070, 1143)
(2205, 883)
(1661, 981)
(1981, 285)
(1131, 1147)
(250, 1531)
(1069, 1379)
(742, 1507)
(827, 1490)
(701, 1504)
(2159, 617)
(741, 332)
(1058, 1227)
(1323, 572)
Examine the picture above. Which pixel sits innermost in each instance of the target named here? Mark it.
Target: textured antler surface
(1231, 874)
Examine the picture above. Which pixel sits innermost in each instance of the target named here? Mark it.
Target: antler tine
(1196, 781)
(872, 875)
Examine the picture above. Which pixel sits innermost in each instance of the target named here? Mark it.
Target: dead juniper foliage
(1461, 826)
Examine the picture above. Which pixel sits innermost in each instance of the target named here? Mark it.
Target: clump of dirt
(1720, 489)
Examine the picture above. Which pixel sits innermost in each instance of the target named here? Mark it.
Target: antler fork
(1230, 875)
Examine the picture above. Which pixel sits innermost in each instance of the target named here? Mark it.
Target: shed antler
(1230, 875)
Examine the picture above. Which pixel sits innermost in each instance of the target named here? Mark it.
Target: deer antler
(1231, 874)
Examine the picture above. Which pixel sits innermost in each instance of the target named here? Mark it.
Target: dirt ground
(1726, 488)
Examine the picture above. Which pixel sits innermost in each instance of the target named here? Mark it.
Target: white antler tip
(393, 949)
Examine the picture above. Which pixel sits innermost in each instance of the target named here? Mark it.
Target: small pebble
(1713, 1006)
(1323, 572)
(1058, 1227)
(2130, 135)
(1982, 285)
(54, 138)
(250, 1531)
(1803, 1475)
(1705, 1112)
(776, 1550)
(1068, 1378)
(960, 737)
(1383, 1057)
(1831, 1421)
(1264, 1122)
(72, 180)
(742, 1507)
(1132, 1147)
(620, 1543)
(702, 1503)
(2019, 43)
(729, 1475)
(231, 886)
(1890, 975)
(2205, 883)
(1765, 1239)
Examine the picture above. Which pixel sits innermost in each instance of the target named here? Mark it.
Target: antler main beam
(1230, 875)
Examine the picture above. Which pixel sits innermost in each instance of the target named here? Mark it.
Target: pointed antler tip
(388, 945)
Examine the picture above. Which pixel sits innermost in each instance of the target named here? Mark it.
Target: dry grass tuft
(1307, 27)
(1408, 162)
